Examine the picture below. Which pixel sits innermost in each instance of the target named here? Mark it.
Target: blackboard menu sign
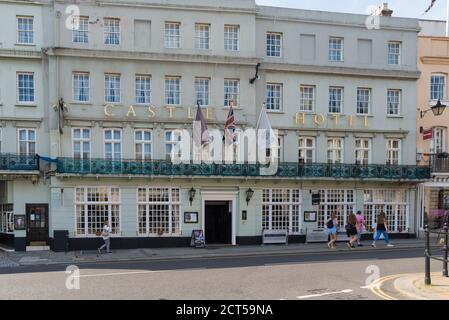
(197, 239)
(316, 199)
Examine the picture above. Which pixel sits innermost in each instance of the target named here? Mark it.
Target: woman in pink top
(359, 226)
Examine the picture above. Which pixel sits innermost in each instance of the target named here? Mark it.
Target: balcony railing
(18, 162)
(439, 163)
(285, 170)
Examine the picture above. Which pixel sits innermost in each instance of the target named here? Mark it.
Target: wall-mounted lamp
(34, 179)
(256, 76)
(249, 195)
(437, 110)
(192, 193)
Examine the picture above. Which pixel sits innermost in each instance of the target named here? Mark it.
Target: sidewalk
(413, 287)
(49, 257)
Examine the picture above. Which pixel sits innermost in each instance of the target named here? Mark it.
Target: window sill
(25, 44)
(394, 116)
(369, 115)
(87, 103)
(275, 112)
(234, 107)
(26, 104)
(118, 104)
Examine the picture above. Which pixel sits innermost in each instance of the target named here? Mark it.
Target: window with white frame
(335, 100)
(393, 102)
(231, 92)
(363, 101)
(25, 30)
(111, 29)
(231, 37)
(158, 211)
(278, 150)
(143, 144)
(172, 35)
(202, 91)
(306, 150)
(307, 98)
(438, 143)
(274, 44)
(81, 143)
(281, 210)
(172, 138)
(1, 140)
(25, 87)
(394, 53)
(172, 90)
(80, 86)
(81, 33)
(362, 151)
(94, 206)
(6, 218)
(391, 202)
(112, 144)
(336, 49)
(340, 202)
(437, 87)
(143, 89)
(274, 96)
(202, 36)
(393, 151)
(112, 88)
(27, 141)
(335, 150)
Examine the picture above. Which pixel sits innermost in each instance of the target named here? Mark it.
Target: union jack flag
(431, 5)
(229, 129)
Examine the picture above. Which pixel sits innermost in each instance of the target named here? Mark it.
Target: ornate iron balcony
(285, 170)
(18, 162)
(439, 162)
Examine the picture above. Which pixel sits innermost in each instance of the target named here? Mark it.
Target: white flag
(264, 124)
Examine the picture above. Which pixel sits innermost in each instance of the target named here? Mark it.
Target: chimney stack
(383, 11)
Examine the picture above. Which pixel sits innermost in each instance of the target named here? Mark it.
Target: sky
(401, 8)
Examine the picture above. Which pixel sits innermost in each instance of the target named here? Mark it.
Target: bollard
(427, 279)
(445, 250)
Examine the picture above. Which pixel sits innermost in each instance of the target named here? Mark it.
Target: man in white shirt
(106, 238)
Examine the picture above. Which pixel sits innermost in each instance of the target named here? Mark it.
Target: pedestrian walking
(332, 226)
(105, 234)
(381, 229)
(351, 230)
(360, 225)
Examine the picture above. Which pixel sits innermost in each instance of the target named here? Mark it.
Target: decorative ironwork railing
(439, 162)
(285, 170)
(19, 162)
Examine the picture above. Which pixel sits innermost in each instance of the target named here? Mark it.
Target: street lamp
(437, 110)
(192, 193)
(249, 195)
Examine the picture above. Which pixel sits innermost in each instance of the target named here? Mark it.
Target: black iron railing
(439, 163)
(18, 162)
(428, 254)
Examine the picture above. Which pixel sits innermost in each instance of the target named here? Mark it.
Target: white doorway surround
(230, 196)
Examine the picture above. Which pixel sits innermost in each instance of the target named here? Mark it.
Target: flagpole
(260, 114)
(447, 18)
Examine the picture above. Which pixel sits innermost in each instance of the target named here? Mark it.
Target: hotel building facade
(112, 85)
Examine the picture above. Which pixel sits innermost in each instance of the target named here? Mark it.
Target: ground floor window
(6, 218)
(158, 211)
(95, 205)
(392, 202)
(281, 210)
(342, 202)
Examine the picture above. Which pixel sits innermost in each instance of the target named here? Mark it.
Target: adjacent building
(123, 76)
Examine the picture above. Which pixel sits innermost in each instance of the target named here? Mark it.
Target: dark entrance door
(218, 221)
(37, 223)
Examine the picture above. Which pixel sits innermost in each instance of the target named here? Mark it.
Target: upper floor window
(27, 141)
(25, 87)
(307, 98)
(363, 101)
(25, 30)
(202, 36)
(278, 151)
(111, 31)
(143, 89)
(112, 88)
(363, 151)
(438, 143)
(335, 100)
(394, 53)
(81, 143)
(172, 138)
(394, 151)
(393, 102)
(1, 140)
(231, 92)
(143, 144)
(306, 150)
(336, 46)
(202, 91)
(80, 31)
(112, 144)
(274, 96)
(172, 35)
(437, 87)
(274, 44)
(231, 37)
(335, 150)
(80, 87)
(173, 90)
